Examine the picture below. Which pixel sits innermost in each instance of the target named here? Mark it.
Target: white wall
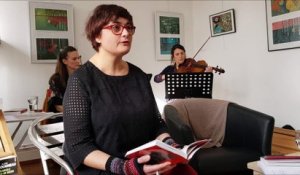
(262, 80)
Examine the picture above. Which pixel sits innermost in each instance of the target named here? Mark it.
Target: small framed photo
(51, 29)
(283, 25)
(168, 32)
(222, 23)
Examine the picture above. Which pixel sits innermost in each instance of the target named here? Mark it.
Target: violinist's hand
(208, 69)
(153, 169)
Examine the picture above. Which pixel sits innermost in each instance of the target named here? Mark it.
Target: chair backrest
(257, 127)
(241, 123)
(49, 138)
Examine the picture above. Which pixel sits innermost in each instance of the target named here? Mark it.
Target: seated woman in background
(69, 60)
(178, 57)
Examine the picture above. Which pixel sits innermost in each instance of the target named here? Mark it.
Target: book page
(159, 152)
(192, 148)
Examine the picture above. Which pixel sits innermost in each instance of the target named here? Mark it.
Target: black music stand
(187, 85)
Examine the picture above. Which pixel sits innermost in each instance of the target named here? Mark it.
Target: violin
(192, 66)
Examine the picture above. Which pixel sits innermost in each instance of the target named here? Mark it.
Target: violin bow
(201, 47)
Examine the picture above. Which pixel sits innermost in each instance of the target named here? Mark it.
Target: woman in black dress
(109, 106)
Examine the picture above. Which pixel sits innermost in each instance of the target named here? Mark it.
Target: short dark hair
(100, 17)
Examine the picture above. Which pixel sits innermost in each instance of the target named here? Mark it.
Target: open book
(161, 152)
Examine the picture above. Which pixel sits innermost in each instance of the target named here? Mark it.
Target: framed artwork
(51, 29)
(283, 24)
(168, 31)
(222, 23)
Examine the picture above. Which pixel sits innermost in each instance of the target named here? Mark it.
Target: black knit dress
(111, 113)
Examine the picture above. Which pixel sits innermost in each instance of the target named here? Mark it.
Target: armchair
(247, 137)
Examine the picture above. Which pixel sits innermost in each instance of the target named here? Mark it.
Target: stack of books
(280, 164)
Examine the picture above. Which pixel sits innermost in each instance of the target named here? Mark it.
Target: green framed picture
(51, 29)
(168, 32)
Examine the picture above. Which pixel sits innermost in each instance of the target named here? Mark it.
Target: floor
(34, 167)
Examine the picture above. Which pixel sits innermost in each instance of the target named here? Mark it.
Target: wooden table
(283, 141)
(257, 170)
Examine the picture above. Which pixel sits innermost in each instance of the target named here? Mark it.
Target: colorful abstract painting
(222, 23)
(283, 24)
(286, 31)
(281, 7)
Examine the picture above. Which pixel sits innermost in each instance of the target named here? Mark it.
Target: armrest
(248, 128)
(178, 130)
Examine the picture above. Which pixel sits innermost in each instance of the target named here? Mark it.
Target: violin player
(180, 64)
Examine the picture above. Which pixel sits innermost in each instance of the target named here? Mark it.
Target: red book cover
(281, 157)
(161, 152)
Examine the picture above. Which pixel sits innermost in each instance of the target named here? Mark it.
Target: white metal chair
(49, 138)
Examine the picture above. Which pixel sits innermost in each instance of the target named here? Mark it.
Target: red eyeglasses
(117, 29)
